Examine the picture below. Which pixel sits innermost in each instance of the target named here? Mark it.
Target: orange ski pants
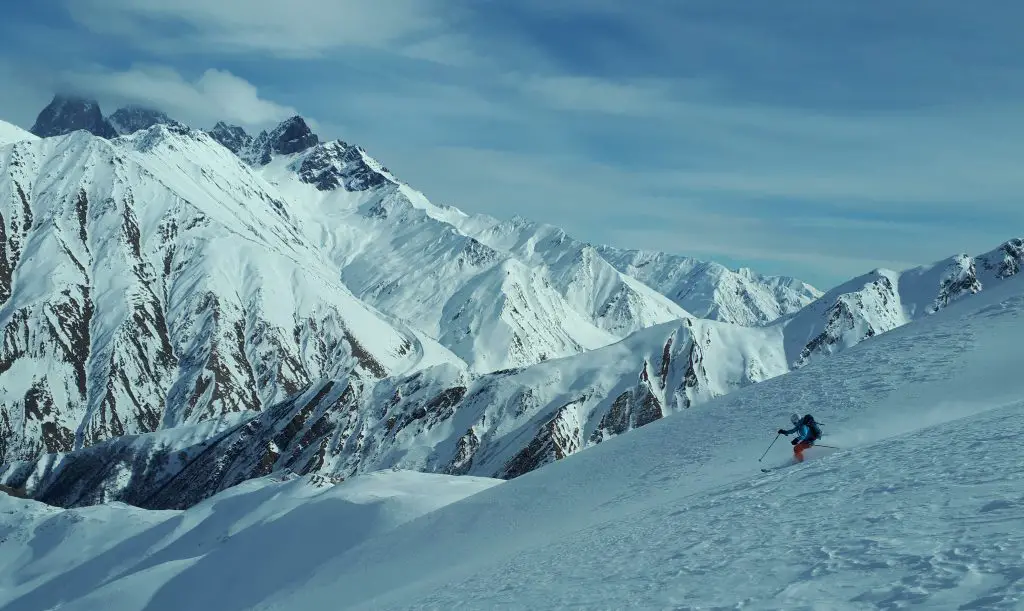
(798, 450)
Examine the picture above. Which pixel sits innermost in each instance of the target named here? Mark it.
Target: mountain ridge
(444, 420)
(332, 165)
(164, 279)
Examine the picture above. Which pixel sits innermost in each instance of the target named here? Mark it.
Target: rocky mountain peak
(233, 137)
(292, 136)
(133, 118)
(68, 113)
(337, 164)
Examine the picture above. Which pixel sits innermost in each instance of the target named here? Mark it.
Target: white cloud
(293, 28)
(216, 95)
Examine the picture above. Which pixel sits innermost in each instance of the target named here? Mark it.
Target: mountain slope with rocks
(131, 119)
(441, 419)
(154, 281)
(396, 250)
(885, 299)
(503, 424)
(711, 290)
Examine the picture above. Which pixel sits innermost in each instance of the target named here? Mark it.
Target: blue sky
(817, 138)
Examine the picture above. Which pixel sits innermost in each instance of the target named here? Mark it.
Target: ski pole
(818, 445)
(769, 447)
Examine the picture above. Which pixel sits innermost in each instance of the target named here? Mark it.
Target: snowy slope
(12, 133)
(711, 290)
(156, 280)
(345, 515)
(920, 506)
(614, 301)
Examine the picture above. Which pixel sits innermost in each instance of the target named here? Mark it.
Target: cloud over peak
(216, 95)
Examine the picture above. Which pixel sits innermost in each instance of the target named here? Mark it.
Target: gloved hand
(794, 442)
(782, 431)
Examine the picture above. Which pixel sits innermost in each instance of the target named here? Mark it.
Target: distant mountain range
(183, 310)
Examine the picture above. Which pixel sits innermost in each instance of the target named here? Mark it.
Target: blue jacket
(804, 431)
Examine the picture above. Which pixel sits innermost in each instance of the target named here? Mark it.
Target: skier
(807, 431)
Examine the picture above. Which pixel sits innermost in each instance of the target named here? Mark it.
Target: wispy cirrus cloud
(294, 29)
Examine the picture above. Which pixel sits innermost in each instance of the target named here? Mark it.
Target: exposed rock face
(291, 136)
(441, 419)
(68, 113)
(131, 119)
(335, 165)
(233, 137)
(126, 307)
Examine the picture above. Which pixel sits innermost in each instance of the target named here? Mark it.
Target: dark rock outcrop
(233, 137)
(69, 113)
(131, 119)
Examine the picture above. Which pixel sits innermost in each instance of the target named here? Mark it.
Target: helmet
(795, 418)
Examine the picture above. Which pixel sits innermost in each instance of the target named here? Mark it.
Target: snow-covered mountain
(68, 113)
(711, 290)
(494, 307)
(498, 293)
(504, 424)
(154, 281)
(441, 419)
(885, 299)
(918, 507)
(329, 319)
(12, 133)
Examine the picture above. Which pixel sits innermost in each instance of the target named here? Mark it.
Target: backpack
(814, 426)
